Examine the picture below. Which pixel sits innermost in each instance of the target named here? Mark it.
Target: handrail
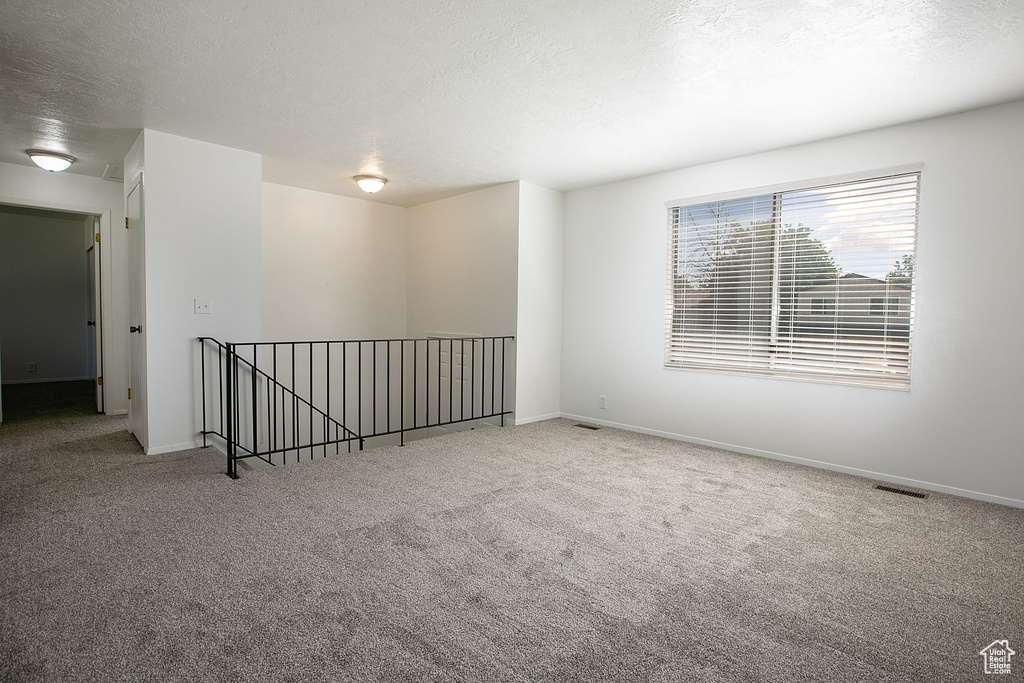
(384, 388)
(278, 384)
(394, 340)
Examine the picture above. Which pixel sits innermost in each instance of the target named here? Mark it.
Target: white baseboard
(537, 418)
(123, 411)
(46, 380)
(161, 450)
(882, 476)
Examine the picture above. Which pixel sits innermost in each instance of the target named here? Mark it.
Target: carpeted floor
(48, 400)
(540, 552)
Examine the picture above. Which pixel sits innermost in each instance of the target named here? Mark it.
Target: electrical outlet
(202, 306)
(602, 402)
(33, 367)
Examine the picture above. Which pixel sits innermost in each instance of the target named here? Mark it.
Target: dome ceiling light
(370, 183)
(51, 161)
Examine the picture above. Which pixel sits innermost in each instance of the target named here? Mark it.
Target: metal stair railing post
(230, 401)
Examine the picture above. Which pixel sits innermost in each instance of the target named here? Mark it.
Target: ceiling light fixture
(51, 161)
(370, 183)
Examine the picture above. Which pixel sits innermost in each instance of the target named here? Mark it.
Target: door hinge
(97, 237)
(126, 222)
(129, 394)
(99, 381)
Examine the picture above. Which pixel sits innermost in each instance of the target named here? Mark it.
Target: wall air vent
(114, 172)
(901, 491)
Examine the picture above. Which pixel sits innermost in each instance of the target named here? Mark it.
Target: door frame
(106, 305)
(138, 404)
(94, 268)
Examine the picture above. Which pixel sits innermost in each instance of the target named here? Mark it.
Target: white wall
(202, 223)
(333, 267)
(463, 263)
(539, 320)
(31, 186)
(44, 307)
(959, 428)
(463, 275)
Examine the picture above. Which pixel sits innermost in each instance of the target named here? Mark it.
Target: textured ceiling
(446, 96)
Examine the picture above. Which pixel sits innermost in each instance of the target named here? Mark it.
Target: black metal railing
(282, 401)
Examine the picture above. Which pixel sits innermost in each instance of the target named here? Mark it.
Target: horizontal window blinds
(814, 283)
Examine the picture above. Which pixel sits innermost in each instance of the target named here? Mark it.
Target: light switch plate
(203, 306)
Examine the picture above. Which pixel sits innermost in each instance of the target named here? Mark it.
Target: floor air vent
(902, 492)
(583, 426)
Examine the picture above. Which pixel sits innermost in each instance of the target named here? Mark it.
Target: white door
(95, 333)
(138, 421)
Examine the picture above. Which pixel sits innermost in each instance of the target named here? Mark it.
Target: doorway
(50, 312)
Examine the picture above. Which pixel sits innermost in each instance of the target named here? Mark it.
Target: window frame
(824, 305)
(776, 189)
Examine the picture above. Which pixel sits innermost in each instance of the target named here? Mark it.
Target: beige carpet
(540, 552)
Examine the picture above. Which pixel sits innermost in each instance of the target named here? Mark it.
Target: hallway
(48, 401)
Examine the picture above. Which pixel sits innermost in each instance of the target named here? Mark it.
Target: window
(812, 283)
(823, 306)
(880, 305)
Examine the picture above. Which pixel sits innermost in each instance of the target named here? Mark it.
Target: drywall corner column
(539, 317)
(202, 223)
